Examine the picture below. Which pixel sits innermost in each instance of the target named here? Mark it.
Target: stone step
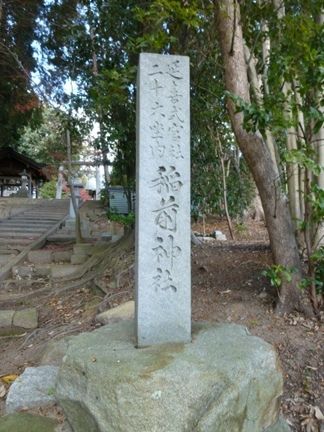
(79, 259)
(13, 222)
(4, 259)
(23, 225)
(50, 213)
(25, 318)
(18, 229)
(45, 256)
(40, 256)
(61, 238)
(83, 249)
(16, 286)
(64, 270)
(37, 218)
(13, 234)
(31, 271)
(14, 241)
(26, 227)
(8, 251)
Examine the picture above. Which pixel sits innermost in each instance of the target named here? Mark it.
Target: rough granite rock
(78, 259)
(40, 256)
(25, 422)
(34, 388)
(124, 311)
(225, 380)
(62, 256)
(6, 317)
(280, 426)
(26, 318)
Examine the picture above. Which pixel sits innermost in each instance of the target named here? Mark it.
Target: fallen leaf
(318, 413)
(3, 391)
(8, 379)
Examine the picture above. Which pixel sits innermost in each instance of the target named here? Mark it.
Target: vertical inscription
(163, 194)
(167, 183)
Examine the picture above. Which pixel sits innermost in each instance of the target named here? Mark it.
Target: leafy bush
(127, 220)
(48, 190)
(277, 274)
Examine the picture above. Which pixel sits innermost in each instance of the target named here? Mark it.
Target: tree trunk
(256, 84)
(319, 145)
(98, 182)
(224, 179)
(275, 204)
(300, 138)
(292, 167)
(103, 147)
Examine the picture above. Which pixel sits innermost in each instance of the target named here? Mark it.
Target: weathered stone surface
(83, 248)
(225, 380)
(219, 235)
(23, 271)
(62, 270)
(280, 426)
(5, 258)
(25, 422)
(106, 237)
(4, 251)
(34, 388)
(6, 317)
(124, 311)
(40, 256)
(26, 318)
(163, 284)
(54, 352)
(62, 256)
(79, 258)
(42, 270)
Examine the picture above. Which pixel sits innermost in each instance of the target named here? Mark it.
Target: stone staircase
(26, 227)
(29, 230)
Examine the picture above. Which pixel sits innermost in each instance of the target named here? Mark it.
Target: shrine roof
(13, 163)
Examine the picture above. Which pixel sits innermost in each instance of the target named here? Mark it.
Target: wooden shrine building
(19, 174)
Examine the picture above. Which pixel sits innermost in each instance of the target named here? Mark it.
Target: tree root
(115, 257)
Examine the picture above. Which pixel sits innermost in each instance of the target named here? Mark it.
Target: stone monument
(163, 275)
(77, 186)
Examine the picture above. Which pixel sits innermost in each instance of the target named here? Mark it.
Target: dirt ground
(227, 286)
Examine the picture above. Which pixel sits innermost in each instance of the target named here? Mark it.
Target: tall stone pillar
(163, 274)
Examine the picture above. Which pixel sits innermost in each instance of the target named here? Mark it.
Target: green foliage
(107, 38)
(48, 190)
(104, 195)
(127, 220)
(17, 99)
(45, 141)
(255, 116)
(240, 228)
(278, 274)
(304, 157)
(318, 262)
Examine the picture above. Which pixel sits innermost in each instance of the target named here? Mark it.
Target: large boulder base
(225, 380)
(125, 311)
(34, 388)
(25, 422)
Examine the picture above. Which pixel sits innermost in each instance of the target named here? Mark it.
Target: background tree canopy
(18, 27)
(263, 119)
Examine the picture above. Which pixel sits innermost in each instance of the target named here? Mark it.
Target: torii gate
(96, 163)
